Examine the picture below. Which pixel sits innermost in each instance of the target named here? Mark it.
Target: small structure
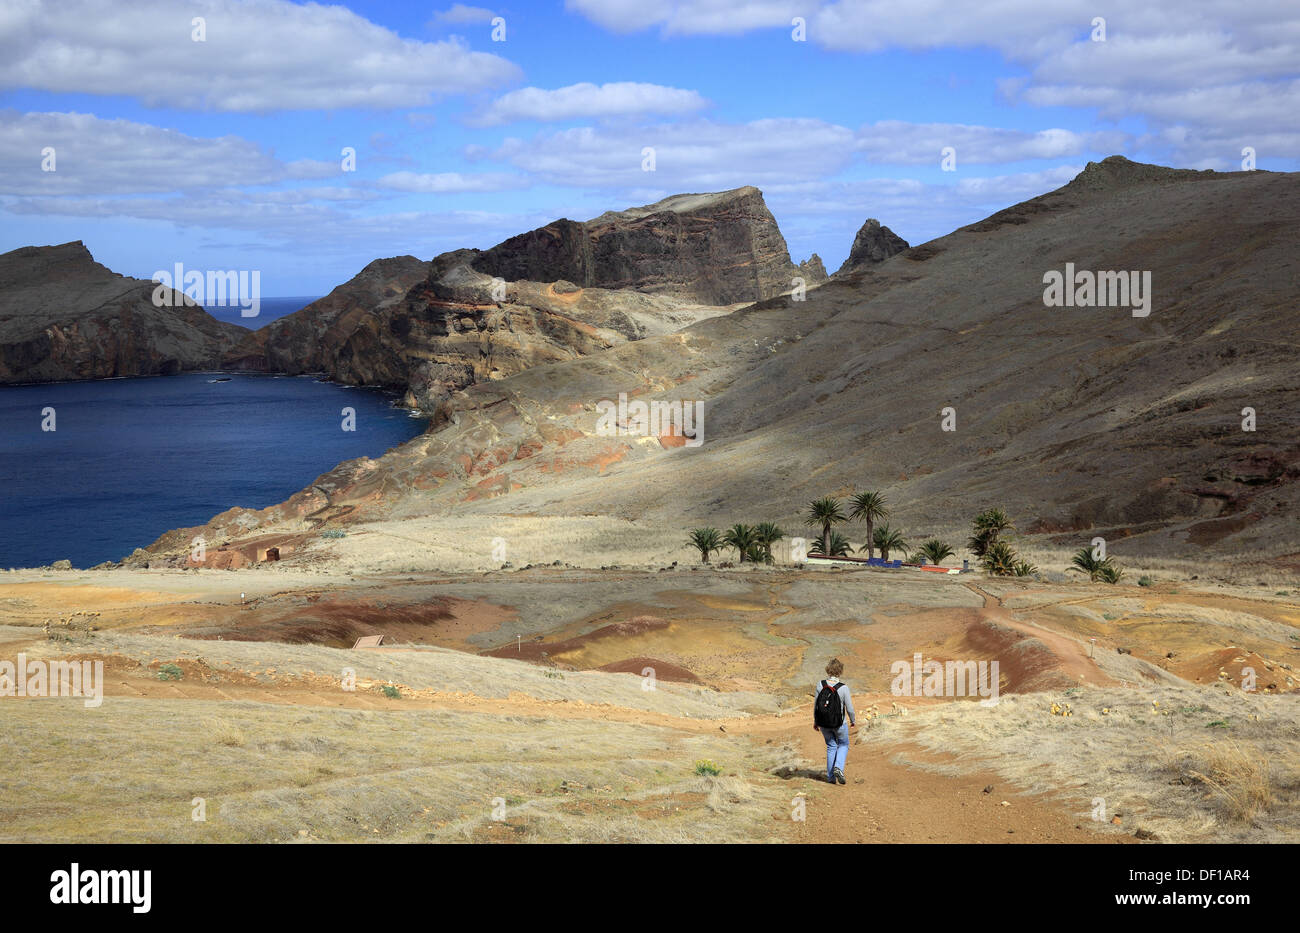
(369, 641)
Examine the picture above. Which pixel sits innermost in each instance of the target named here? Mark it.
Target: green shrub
(706, 768)
(391, 692)
(170, 672)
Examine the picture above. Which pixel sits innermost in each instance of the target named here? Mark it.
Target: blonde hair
(835, 667)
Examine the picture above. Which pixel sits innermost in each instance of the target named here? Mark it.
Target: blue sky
(226, 153)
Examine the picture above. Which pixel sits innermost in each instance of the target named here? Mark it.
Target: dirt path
(1071, 652)
(883, 801)
(888, 802)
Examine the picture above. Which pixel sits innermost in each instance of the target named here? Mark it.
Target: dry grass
(425, 669)
(224, 732)
(1239, 777)
(130, 772)
(1192, 764)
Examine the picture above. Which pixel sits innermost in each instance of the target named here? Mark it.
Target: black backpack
(829, 712)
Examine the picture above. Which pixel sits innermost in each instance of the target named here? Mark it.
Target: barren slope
(1080, 421)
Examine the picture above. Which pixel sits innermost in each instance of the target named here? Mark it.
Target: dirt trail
(883, 802)
(888, 802)
(1073, 655)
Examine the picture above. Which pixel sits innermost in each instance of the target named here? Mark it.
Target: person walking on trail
(832, 716)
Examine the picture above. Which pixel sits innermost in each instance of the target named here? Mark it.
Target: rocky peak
(1118, 172)
(813, 270)
(718, 248)
(874, 243)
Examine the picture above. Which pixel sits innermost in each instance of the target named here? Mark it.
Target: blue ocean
(130, 459)
(269, 309)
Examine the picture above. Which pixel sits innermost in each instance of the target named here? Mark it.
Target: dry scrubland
(564, 752)
(263, 731)
(1189, 764)
(274, 773)
(460, 544)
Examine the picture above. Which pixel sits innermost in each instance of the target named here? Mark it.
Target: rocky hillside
(434, 328)
(562, 291)
(1079, 419)
(714, 249)
(343, 334)
(64, 316)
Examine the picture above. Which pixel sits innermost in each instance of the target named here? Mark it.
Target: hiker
(832, 716)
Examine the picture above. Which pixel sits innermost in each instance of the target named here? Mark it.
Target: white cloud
(460, 14)
(699, 155)
(450, 182)
(690, 17)
(114, 157)
(894, 142)
(778, 153)
(258, 56)
(1217, 68)
(589, 101)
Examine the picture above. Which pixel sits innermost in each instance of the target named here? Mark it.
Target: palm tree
(888, 539)
(741, 537)
(986, 528)
(767, 534)
(706, 541)
(1087, 562)
(1024, 568)
(935, 551)
(825, 512)
(839, 547)
(870, 508)
(1103, 569)
(999, 559)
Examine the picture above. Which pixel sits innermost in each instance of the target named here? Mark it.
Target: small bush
(226, 733)
(391, 692)
(170, 672)
(706, 768)
(1239, 777)
(1146, 581)
(333, 533)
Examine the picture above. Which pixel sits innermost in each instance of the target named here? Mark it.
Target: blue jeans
(837, 747)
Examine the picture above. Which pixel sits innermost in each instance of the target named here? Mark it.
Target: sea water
(130, 459)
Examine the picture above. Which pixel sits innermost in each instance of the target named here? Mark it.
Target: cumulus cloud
(463, 15)
(690, 17)
(697, 155)
(781, 152)
(114, 157)
(257, 56)
(895, 142)
(1213, 67)
(450, 182)
(589, 101)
